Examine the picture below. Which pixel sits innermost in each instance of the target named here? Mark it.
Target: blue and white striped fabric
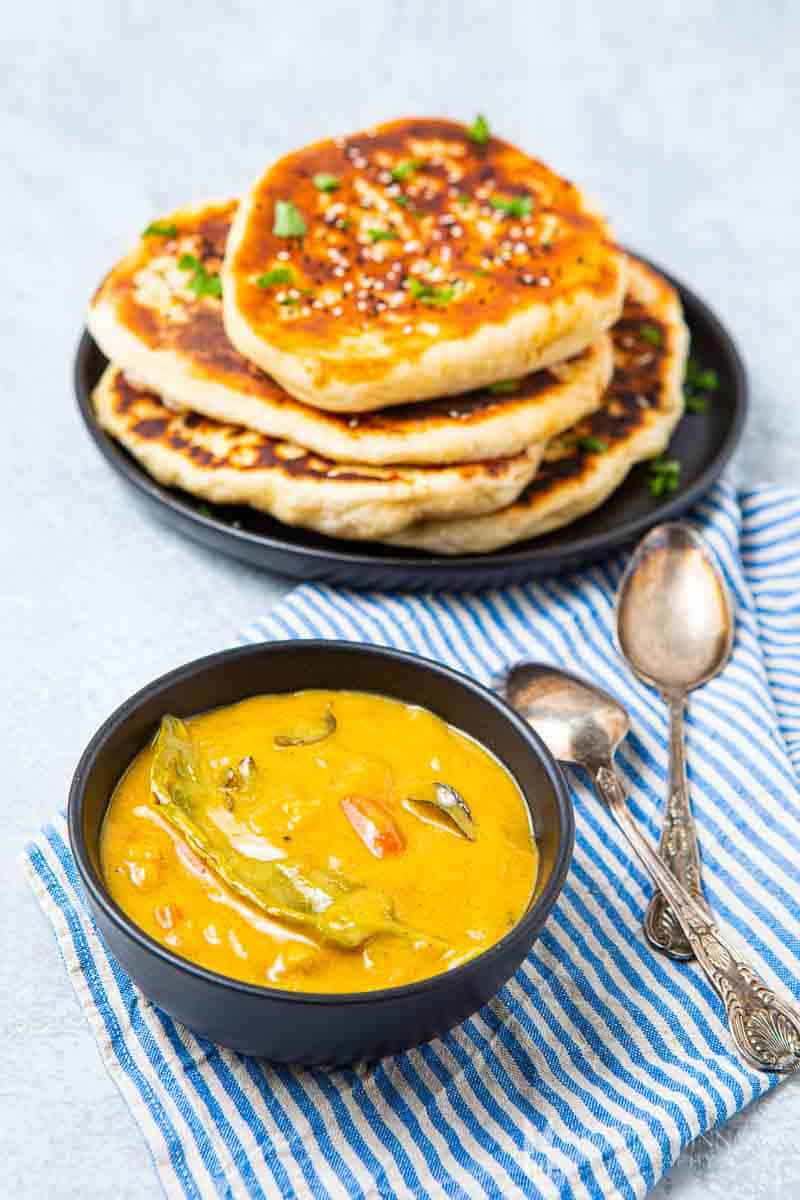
(599, 1061)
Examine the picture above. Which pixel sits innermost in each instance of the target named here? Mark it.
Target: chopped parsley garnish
(699, 382)
(594, 445)
(517, 206)
(324, 182)
(479, 131)
(288, 220)
(503, 387)
(479, 271)
(201, 283)
(651, 334)
(426, 293)
(404, 170)
(404, 202)
(204, 510)
(665, 474)
(705, 379)
(382, 235)
(275, 276)
(462, 199)
(160, 229)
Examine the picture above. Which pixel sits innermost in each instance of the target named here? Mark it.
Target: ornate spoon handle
(765, 1030)
(677, 848)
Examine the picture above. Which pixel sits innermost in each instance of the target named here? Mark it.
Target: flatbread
(230, 465)
(149, 321)
(643, 404)
(419, 262)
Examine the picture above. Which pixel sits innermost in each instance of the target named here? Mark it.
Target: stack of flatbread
(415, 335)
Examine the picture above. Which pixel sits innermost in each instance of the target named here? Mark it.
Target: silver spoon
(675, 627)
(583, 725)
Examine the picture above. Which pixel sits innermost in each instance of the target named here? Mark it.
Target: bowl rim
(98, 893)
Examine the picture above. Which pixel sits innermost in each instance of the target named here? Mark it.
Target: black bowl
(303, 1027)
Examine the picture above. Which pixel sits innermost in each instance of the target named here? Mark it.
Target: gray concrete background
(680, 118)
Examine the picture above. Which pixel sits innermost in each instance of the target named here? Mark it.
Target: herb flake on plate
(275, 276)
(592, 444)
(517, 206)
(479, 131)
(665, 474)
(504, 387)
(325, 182)
(160, 229)
(426, 293)
(698, 385)
(288, 220)
(201, 283)
(404, 170)
(651, 334)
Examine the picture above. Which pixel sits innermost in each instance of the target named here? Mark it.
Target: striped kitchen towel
(600, 1060)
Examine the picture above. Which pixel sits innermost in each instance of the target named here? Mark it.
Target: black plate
(304, 1027)
(703, 443)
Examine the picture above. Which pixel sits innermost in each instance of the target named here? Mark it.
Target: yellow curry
(323, 841)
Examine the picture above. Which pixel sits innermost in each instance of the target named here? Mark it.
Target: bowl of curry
(319, 852)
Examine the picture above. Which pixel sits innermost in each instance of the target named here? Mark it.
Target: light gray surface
(680, 119)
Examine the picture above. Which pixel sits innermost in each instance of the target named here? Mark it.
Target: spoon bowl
(579, 722)
(674, 612)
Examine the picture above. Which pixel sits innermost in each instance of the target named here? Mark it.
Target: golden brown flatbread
(580, 469)
(162, 324)
(226, 464)
(420, 258)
